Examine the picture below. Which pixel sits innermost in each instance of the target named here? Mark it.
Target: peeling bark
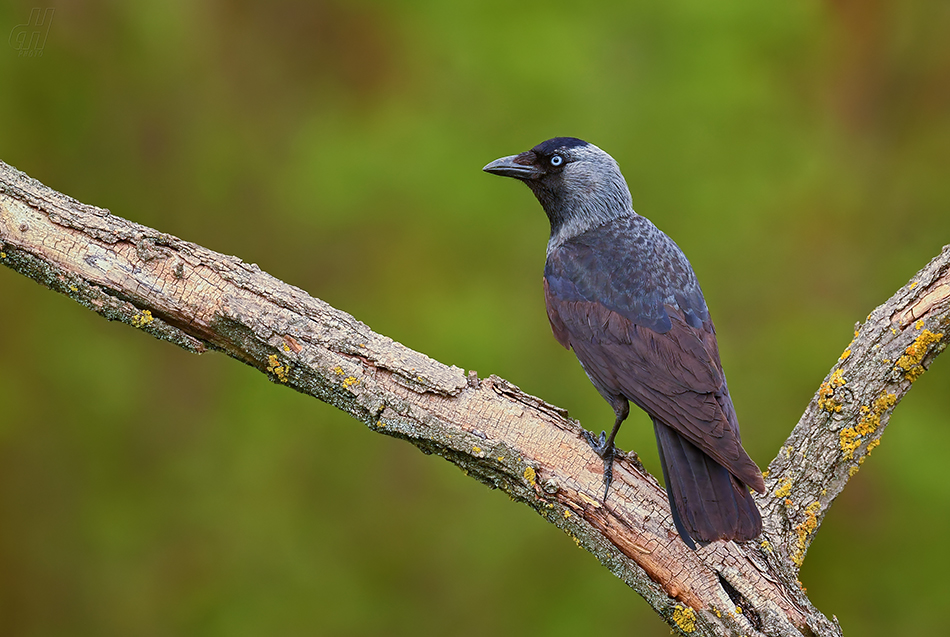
(202, 300)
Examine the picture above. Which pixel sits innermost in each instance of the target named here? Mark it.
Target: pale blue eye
(556, 160)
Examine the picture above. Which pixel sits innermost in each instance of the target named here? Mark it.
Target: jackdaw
(622, 295)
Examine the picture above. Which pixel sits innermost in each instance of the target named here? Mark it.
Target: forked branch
(200, 300)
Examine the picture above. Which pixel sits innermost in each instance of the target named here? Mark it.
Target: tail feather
(707, 501)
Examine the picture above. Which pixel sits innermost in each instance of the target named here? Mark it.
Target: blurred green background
(798, 153)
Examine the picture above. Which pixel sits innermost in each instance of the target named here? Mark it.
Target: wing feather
(675, 376)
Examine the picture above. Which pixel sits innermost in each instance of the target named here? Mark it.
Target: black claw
(606, 452)
(599, 445)
(589, 437)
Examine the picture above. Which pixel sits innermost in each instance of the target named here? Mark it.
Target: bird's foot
(599, 445)
(606, 452)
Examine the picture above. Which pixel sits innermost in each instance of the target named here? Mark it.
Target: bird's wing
(661, 356)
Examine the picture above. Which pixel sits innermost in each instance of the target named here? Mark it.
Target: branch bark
(201, 300)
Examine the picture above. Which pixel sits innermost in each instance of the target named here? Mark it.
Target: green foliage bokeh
(798, 153)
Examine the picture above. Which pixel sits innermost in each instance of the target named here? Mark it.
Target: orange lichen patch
(909, 363)
(142, 319)
(826, 392)
(851, 438)
(847, 350)
(348, 382)
(531, 476)
(884, 402)
(784, 488)
(275, 368)
(684, 618)
(806, 528)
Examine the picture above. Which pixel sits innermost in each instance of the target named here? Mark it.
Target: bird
(624, 297)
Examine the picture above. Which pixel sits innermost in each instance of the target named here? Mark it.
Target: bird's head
(578, 185)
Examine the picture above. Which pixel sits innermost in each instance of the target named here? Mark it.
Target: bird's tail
(707, 501)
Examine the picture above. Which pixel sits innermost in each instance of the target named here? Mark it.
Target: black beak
(508, 167)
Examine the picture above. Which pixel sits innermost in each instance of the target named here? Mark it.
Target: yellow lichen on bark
(684, 618)
(909, 363)
(826, 392)
(851, 438)
(142, 319)
(806, 528)
(275, 368)
(784, 488)
(530, 475)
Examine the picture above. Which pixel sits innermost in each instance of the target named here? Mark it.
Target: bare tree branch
(844, 421)
(201, 300)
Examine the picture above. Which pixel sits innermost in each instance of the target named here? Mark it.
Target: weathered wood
(201, 300)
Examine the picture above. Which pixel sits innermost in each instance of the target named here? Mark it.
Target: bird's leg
(604, 447)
